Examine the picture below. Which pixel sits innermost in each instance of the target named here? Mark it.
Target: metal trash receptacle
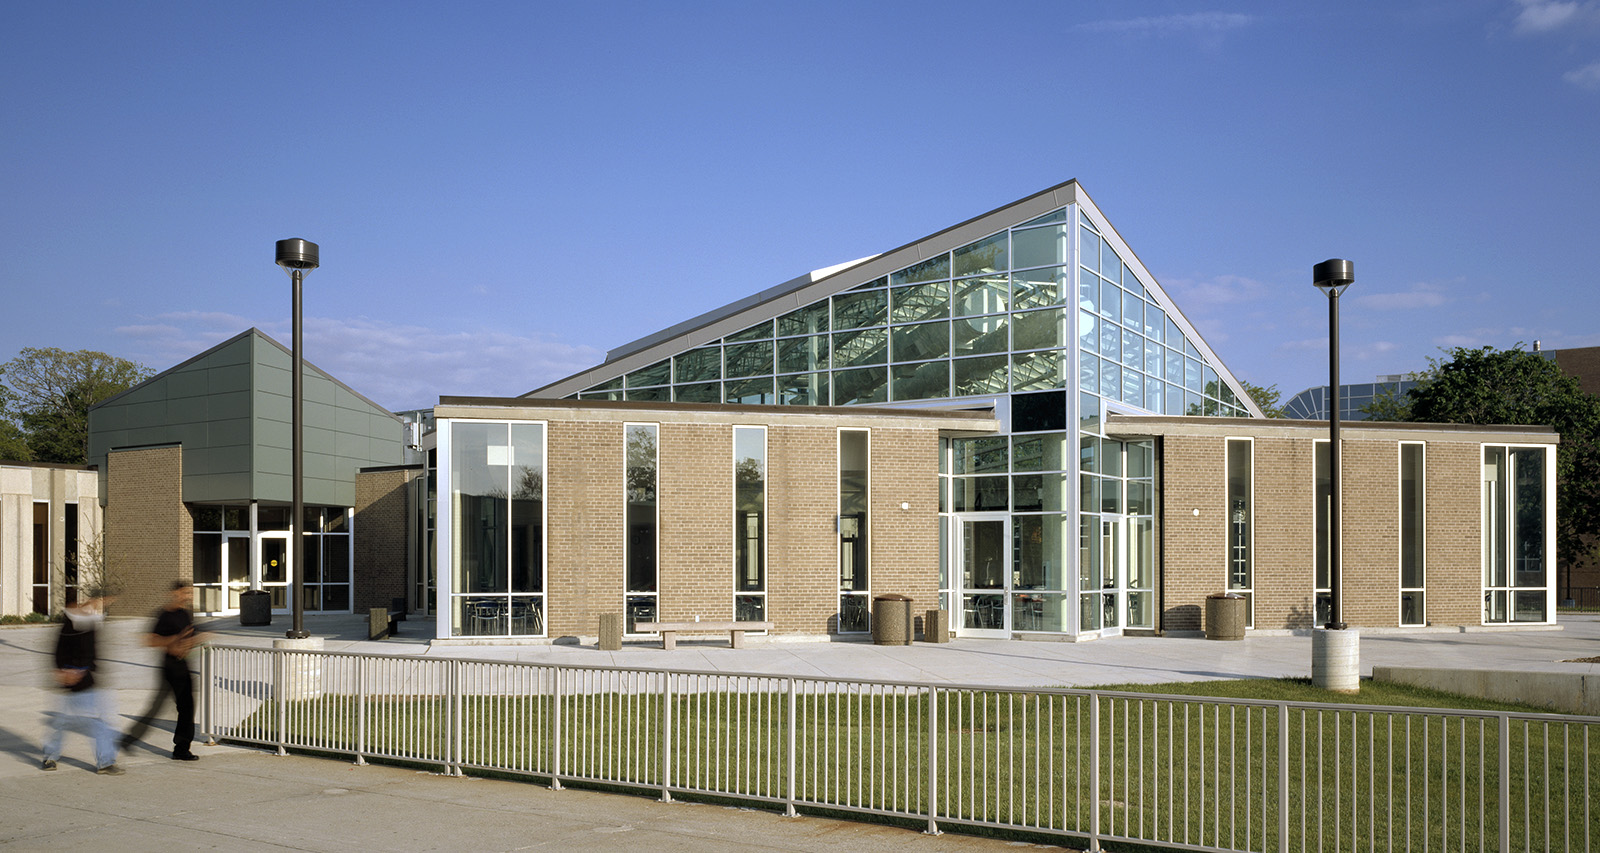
(255, 607)
(891, 620)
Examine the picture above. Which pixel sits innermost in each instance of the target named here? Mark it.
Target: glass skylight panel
(1040, 287)
(920, 342)
(860, 386)
(1040, 247)
(1155, 322)
(1132, 311)
(1045, 329)
(988, 294)
(659, 373)
(751, 391)
(980, 335)
(752, 359)
(984, 256)
(698, 365)
(981, 375)
(1039, 371)
(867, 346)
(704, 392)
(917, 302)
(858, 310)
(754, 333)
(1111, 301)
(925, 381)
(1057, 215)
(805, 321)
(877, 282)
(799, 355)
(932, 269)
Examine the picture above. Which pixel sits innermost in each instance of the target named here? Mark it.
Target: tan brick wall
(1194, 548)
(149, 534)
(585, 532)
(382, 515)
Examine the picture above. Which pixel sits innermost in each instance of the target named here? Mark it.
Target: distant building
(1312, 403)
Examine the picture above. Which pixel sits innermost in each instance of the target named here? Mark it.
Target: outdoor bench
(385, 621)
(669, 630)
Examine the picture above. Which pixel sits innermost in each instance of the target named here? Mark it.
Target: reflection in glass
(987, 294)
(854, 575)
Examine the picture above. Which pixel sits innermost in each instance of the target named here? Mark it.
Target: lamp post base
(1336, 659)
(292, 634)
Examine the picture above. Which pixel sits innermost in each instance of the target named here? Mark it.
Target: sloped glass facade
(1048, 527)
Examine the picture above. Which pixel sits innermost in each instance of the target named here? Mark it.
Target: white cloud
(1587, 77)
(1206, 22)
(1194, 296)
(1543, 16)
(399, 366)
(1419, 296)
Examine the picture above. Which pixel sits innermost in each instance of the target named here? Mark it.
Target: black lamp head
(1331, 276)
(297, 254)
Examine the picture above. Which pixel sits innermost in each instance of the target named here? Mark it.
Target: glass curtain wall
(855, 577)
(990, 318)
(497, 517)
(1413, 550)
(750, 523)
(325, 553)
(640, 479)
(1516, 564)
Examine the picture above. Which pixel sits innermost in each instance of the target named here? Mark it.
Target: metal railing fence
(1179, 771)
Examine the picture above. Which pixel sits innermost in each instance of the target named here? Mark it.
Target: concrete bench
(669, 630)
(385, 621)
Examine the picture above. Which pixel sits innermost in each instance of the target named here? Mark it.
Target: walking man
(174, 634)
(81, 700)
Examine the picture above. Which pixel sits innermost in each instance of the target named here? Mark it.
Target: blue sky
(503, 191)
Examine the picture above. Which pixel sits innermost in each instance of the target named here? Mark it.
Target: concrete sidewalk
(245, 799)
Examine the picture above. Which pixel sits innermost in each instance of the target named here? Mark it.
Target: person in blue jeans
(174, 634)
(82, 701)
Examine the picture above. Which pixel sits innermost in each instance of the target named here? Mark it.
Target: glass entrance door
(236, 559)
(274, 569)
(985, 553)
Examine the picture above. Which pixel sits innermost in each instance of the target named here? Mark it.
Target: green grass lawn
(1171, 769)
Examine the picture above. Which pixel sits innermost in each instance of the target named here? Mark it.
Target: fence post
(453, 744)
(793, 727)
(280, 683)
(933, 761)
(205, 696)
(1094, 771)
(1283, 776)
(666, 737)
(361, 711)
(1505, 782)
(555, 730)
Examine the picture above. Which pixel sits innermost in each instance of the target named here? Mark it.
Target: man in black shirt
(81, 700)
(174, 634)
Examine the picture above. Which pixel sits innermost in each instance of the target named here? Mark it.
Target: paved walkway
(244, 799)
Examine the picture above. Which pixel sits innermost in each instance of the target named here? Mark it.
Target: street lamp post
(297, 257)
(1335, 656)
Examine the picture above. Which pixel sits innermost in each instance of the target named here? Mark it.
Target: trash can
(891, 620)
(936, 626)
(1225, 612)
(255, 607)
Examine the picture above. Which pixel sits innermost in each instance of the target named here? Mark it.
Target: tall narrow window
(1241, 509)
(641, 477)
(854, 578)
(1323, 490)
(41, 558)
(69, 552)
(750, 523)
(1413, 600)
(1516, 565)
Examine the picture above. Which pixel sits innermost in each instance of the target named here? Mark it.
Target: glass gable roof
(988, 317)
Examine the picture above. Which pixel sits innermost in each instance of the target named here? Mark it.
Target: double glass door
(270, 572)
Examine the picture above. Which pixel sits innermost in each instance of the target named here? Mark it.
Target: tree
(13, 442)
(1266, 398)
(48, 394)
(1489, 386)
